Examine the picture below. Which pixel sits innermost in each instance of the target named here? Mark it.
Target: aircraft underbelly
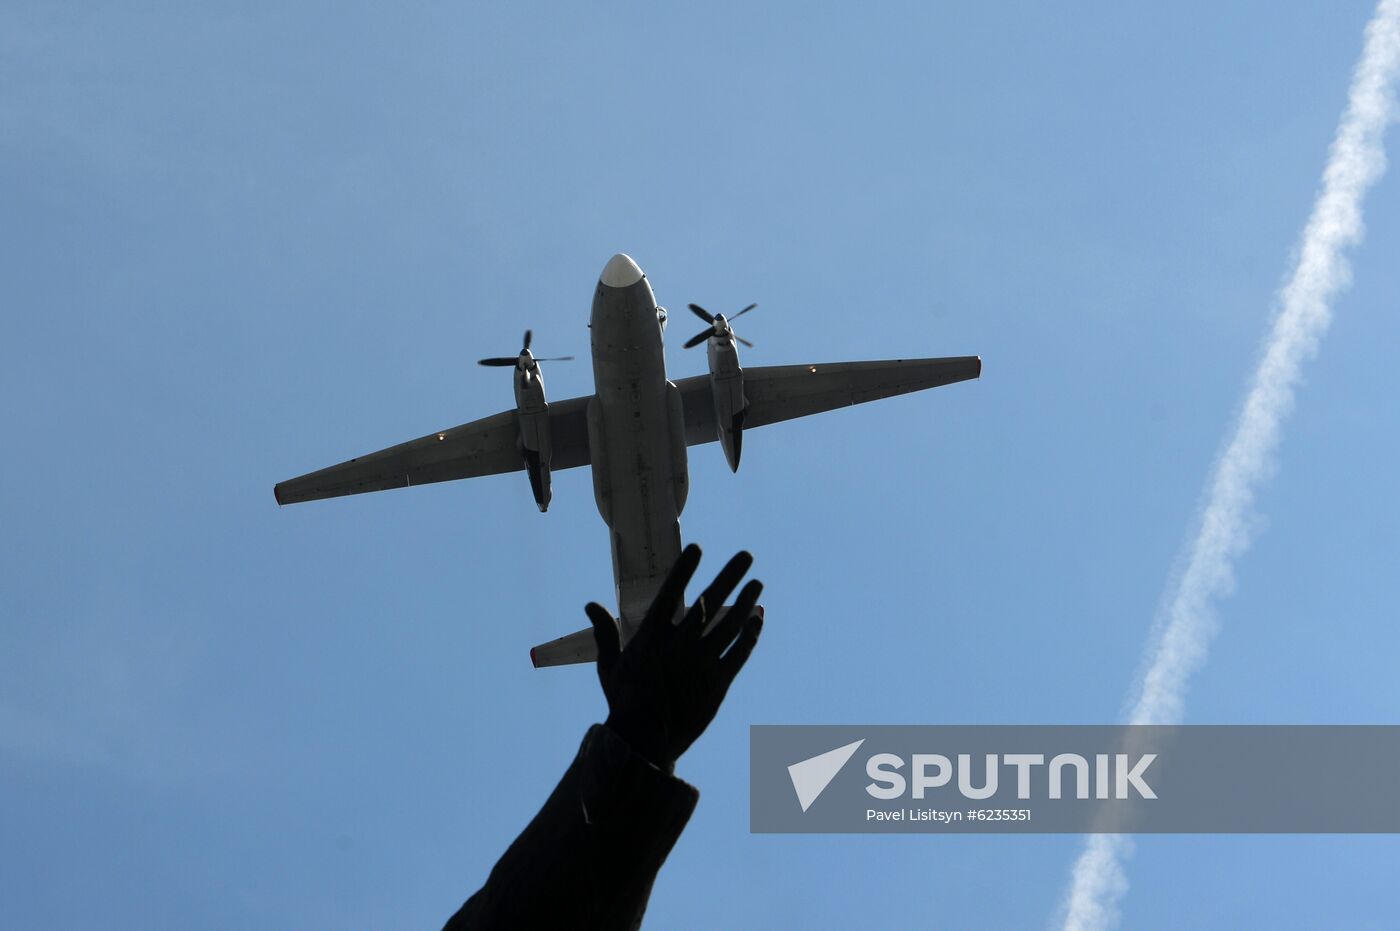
(642, 507)
(638, 486)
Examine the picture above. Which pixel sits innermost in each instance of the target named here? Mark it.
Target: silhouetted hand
(663, 690)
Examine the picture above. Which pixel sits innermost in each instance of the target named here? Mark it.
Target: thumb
(604, 633)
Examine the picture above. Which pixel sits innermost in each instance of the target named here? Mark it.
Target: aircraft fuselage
(636, 433)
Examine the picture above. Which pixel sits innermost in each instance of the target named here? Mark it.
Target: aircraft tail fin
(580, 647)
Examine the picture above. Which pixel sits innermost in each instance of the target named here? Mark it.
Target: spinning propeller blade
(503, 361)
(715, 323)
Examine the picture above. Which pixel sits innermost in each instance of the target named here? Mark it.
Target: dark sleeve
(588, 859)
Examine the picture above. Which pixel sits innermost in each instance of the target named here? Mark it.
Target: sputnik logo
(811, 776)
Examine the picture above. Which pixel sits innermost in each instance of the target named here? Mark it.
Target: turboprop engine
(726, 378)
(532, 412)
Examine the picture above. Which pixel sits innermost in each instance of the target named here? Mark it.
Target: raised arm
(589, 858)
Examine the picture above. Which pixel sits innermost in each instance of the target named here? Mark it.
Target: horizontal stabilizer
(577, 647)
(580, 647)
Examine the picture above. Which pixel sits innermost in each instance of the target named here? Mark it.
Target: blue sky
(238, 245)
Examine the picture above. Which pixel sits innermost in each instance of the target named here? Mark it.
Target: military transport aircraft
(633, 432)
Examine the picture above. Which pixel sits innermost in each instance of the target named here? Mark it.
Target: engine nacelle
(532, 414)
(535, 449)
(727, 390)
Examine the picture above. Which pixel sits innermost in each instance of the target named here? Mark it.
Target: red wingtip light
(533, 662)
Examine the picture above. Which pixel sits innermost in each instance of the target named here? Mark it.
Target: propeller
(524, 358)
(719, 326)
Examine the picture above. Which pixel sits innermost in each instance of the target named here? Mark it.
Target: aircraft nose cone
(621, 272)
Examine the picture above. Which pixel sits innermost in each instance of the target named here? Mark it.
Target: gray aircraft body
(633, 431)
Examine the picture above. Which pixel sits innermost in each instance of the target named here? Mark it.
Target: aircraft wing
(783, 392)
(483, 447)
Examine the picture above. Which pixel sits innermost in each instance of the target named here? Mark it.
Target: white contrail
(1356, 161)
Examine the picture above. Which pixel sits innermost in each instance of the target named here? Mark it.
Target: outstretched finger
(722, 634)
(604, 633)
(669, 597)
(738, 654)
(709, 603)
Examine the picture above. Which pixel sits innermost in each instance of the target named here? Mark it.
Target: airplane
(633, 432)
